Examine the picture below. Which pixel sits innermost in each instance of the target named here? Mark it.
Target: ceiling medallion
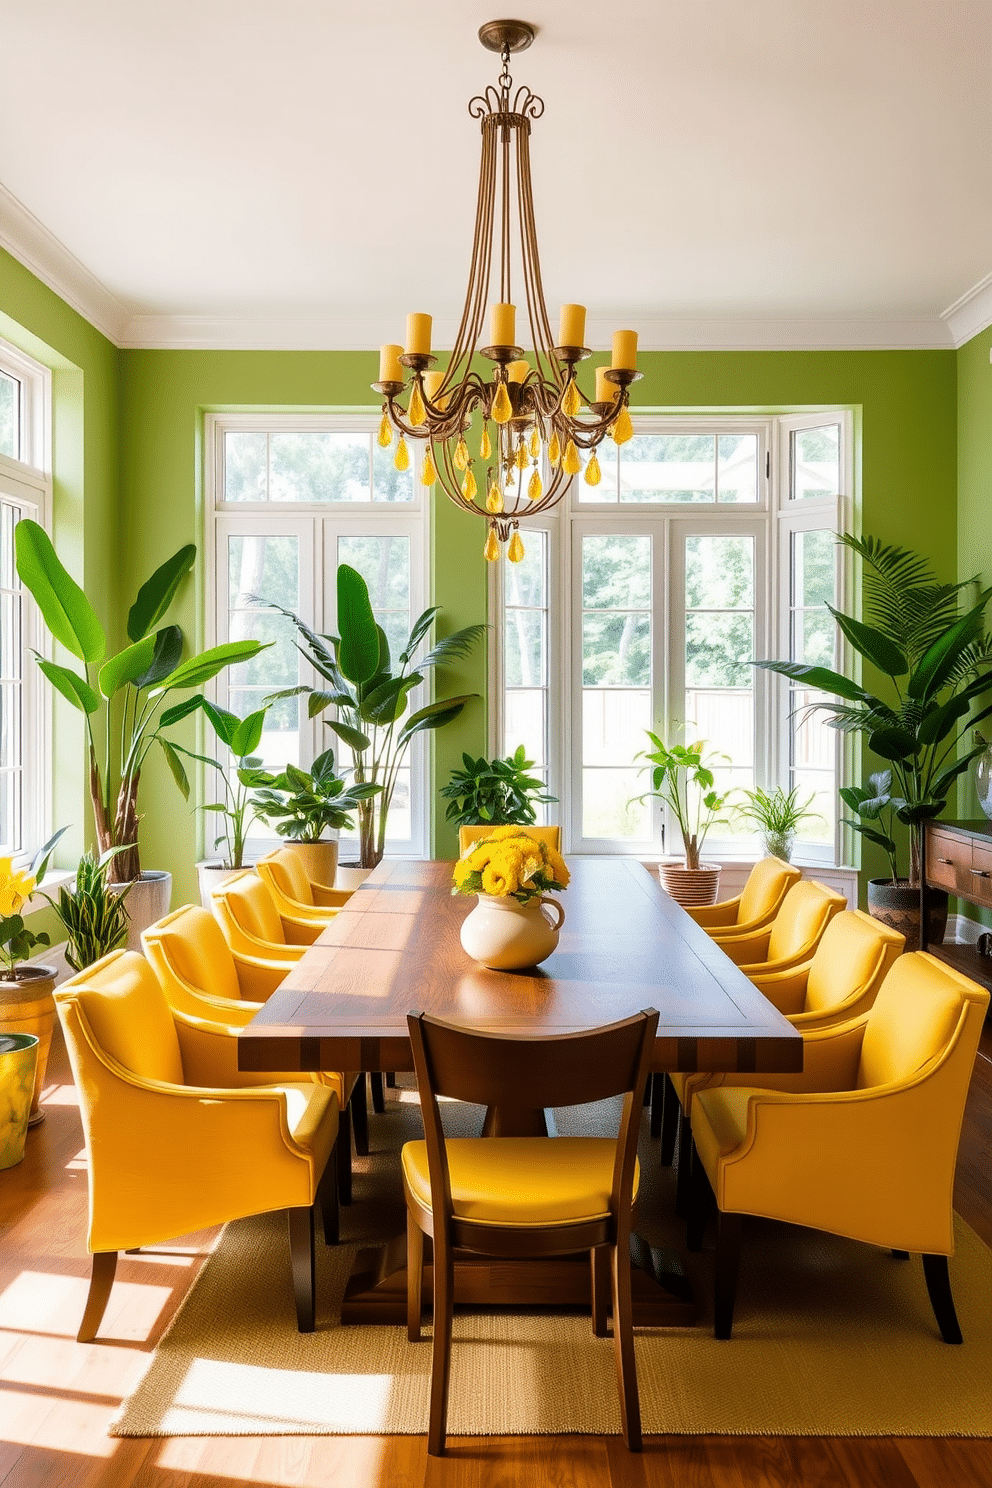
(531, 404)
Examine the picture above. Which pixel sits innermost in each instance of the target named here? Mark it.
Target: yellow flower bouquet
(510, 864)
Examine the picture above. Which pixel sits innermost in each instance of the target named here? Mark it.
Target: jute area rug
(830, 1338)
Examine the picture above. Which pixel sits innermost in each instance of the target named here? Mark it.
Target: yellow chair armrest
(748, 927)
(786, 990)
(299, 931)
(258, 977)
(768, 968)
(855, 1006)
(209, 1052)
(830, 1063)
(231, 1011)
(747, 948)
(268, 950)
(712, 915)
(325, 897)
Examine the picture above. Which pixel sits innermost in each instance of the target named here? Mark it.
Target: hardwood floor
(56, 1395)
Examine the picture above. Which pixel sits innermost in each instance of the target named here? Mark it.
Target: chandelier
(530, 406)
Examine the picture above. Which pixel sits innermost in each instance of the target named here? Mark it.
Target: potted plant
(497, 792)
(305, 805)
(122, 709)
(876, 809)
(26, 1003)
(776, 814)
(932, 650)
(93, 912)
(512, 874)
(682, 778)
(371, 695)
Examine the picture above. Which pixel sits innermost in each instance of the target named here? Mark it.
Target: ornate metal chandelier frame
(544, 407)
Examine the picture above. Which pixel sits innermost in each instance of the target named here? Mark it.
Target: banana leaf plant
(928, 641)
(122, 702)
(371, 695)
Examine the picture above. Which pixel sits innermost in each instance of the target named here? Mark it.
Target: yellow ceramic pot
(18, 1062)
(27, 1006)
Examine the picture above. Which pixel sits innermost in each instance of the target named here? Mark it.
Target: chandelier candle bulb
(572, 325)
(625, 351)
(503, 325)
(606, 392)
(418, 334)
(517, 371)
(432, 386)
(389, 364)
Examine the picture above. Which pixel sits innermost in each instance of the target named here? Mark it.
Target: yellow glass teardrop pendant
(460, 458)
(401, 459)
(469, 485)
(428, 470)
(535, 486)
(534, 447)
(494, 499)
(416, 412)
(485, 443)
(385, 432)
(502, 410)
(571, 464)
(622, 429)
(520, 460)
(593, 473)
(491, 550)
(571, 403)
(516, 549)
(554, 450)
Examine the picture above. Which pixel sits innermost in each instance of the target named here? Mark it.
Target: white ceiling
(712, 172)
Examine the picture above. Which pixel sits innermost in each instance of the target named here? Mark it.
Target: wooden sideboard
(959, 859)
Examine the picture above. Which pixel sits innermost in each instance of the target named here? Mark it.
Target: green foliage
(875, 804)
(93, 913)
(16, 885)
(936, 657)
(370, 696)
(682, 777)
(304, 804)
(241, 737)
(776, 814)
(499, 792)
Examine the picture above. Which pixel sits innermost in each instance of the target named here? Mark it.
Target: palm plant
(932, 648)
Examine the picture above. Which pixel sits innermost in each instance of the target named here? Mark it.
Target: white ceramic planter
(350, 876)
(506, 935)
(690, 887)
(149, 899)
(211, 876)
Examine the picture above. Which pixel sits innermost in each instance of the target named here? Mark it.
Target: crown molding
(971, 313)
(31, 243)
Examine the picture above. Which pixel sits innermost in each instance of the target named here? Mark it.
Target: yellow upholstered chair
(468, 835)
(526, 1196)
(755, 906)
(300, 902)
(792, 936)
(176, 1138)
(250, 922)
(863, 1143)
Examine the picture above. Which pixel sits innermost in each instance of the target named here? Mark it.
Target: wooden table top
(625, 945)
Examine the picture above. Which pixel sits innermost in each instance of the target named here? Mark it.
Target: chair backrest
(126, 1011)
(918, 1011)
(574, 1069)
(767, 885)
(468, 835)
(188, 948)
(250, 905)
(855, 955)
(286, 871)
(806, 911)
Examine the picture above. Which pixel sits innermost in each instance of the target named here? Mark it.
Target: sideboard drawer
(981, 872)
(949, 863)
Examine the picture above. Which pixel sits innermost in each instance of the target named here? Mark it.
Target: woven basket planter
(690, 886)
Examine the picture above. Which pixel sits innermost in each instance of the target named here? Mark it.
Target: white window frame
(318, 524)
(26, 483)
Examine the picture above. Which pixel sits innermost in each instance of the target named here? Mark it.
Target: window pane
(814, 763)
(266, 568)
(719, 647)
(524, 722)
(613, 725)
(11, 656)
(10, 416)
(384, 564)
(737, 470)
(813, 568)
(668, 467)
(608, 809)
(815, 462)
(320, 465)
(616, 572)
(718, 650)
(616, 650)
(608, 455)
(525, 583)
(719, 573)
(245, 466)
(525, 646)
(388, 483)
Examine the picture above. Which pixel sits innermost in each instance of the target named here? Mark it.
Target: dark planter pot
(898, 906)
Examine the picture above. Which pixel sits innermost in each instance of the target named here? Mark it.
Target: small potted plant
(305, 805)
(776, 814)
(682, 778)
(26, 1002)
(496, 792)
(512, 874)
(877, 811)
(93, 911)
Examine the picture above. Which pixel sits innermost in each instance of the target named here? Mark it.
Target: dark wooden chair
(520, 1197)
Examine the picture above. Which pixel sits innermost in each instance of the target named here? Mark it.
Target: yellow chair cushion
(521, 1181)
(290, 875)
(847, 958)
(194, 944)
(913, 1018)
(765, 886)
(251, 905)
(131, 1019)
(805, 910)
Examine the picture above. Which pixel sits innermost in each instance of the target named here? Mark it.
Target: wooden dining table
(625, 945)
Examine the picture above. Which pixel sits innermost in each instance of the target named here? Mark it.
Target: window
(24, 492)
(292, 497)
(707, 543)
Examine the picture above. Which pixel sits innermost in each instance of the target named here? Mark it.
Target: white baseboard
(963, 931)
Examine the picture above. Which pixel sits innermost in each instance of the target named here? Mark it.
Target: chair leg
(444, 1293)
(301, 1252)
(623, 1344)
(671, 1108)
(939, 1289)
(699, 1202)
(654, 1096)
(390, 1080)
(378, 1093)
(342, 1155)
(599, 1263)
(683, 1174)
(414, 1278)
(728, 1256)
(101, 1282)
(327, 1201)
(360, 1117)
